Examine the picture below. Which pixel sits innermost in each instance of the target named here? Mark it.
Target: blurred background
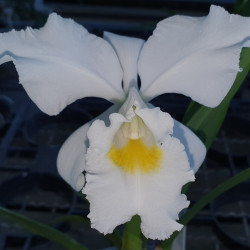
(30, 140)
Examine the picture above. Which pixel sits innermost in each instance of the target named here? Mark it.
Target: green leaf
(242, 7)
(132, 235)
(196, 208)
(205, 122)
(41, 229)
(69, 218)
(114, 238)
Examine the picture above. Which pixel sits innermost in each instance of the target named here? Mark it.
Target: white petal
(154, 119)
(128, 50)
(115, 196)
(108, 189)
(110, 195)
(61, 63)
(194, 56)
(194, 147)
(160, 193)
(71, 158)
(105, 135)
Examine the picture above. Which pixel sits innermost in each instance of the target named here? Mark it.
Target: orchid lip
(134, 147)
(129, 163)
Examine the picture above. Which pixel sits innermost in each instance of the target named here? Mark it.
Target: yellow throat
(132, 152)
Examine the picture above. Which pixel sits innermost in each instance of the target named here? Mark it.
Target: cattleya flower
(134, 157)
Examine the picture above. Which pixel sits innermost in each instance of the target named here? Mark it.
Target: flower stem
(132, 235)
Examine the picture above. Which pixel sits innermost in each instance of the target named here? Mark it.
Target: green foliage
(41, 229)
(113, 238)
(132, 235)
(242, 7)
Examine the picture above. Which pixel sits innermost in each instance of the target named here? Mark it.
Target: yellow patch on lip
(135, 155)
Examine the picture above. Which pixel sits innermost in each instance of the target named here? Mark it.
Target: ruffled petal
(116, 195)
(155, 117)
(61, 63)
(194, 56)
(71, 160)
(108, 189)
(160, 193)
(194, 147)
(128, 50)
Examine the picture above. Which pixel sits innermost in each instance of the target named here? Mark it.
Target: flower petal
(194, 56)
(110, 194)
(108, 190)
(175, 173)
(194, 147)
(128, 50)
(153, 118)
(115, 195)
(160, 193)
(71, 158)
(61, 63)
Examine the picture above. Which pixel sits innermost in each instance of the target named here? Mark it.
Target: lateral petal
(61, 63)
(194, 56)
(71, 160)
(194, 147)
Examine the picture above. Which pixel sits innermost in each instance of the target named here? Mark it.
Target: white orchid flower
(135, 157)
